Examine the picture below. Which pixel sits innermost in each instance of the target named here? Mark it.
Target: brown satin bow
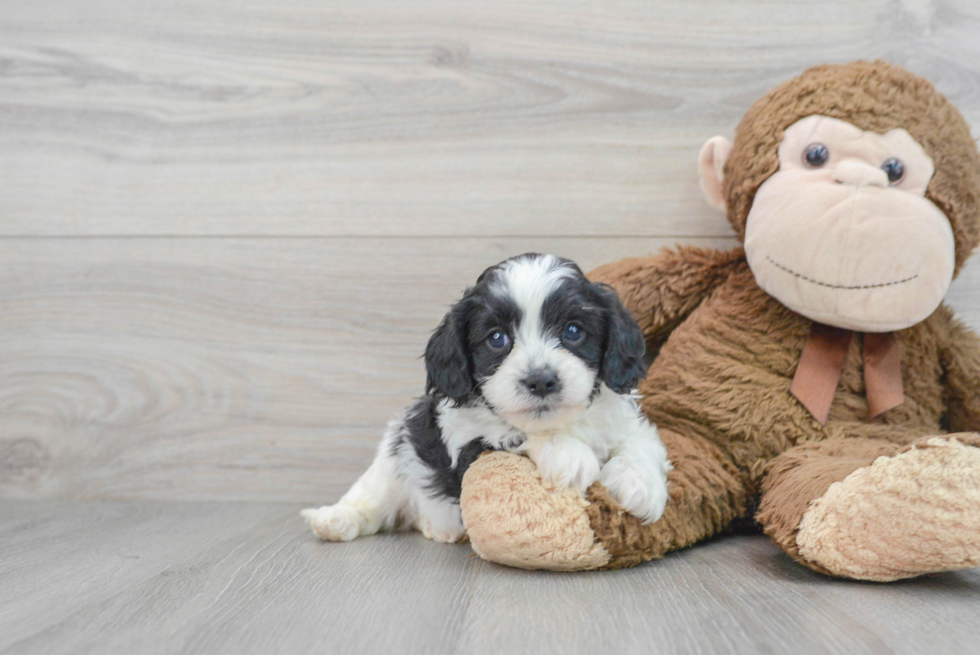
(822, 363)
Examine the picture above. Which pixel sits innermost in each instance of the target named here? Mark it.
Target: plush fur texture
(930, 490)
(565, 542)
(874, 96)
(803, 240)
(742, 446)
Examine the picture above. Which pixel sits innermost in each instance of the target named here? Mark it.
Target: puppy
(533, 359)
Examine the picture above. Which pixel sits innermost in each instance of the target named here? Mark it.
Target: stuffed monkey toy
(812, 380)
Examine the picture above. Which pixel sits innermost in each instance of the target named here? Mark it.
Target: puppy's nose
(542, 382)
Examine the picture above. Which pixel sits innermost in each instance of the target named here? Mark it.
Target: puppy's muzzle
(542, 383)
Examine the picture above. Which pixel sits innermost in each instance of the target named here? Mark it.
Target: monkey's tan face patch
(834, 238)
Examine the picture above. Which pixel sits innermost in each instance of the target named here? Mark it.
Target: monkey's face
(843, 233)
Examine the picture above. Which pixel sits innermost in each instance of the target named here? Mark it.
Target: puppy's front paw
(566, 463)
(333, 522)
(640, 490)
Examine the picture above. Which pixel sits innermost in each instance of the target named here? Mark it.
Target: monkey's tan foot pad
(917, 512)
(512, 519)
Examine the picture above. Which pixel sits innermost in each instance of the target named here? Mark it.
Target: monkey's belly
(725, 373)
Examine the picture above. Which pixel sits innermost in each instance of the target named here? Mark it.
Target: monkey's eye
(572, 334)
(895, 170)
(498, 340)
(816, 155)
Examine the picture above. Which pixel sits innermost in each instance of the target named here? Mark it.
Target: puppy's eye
(816, 155)
(498, 340)
(572, 334)
(895, 170)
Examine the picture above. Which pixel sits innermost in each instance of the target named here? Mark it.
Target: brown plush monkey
(813, 381)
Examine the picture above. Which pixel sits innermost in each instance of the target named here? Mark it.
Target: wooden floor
(145, 577)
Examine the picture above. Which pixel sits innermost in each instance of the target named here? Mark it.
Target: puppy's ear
(447, 361)
(622, 361)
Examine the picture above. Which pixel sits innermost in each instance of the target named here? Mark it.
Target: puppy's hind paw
(333, 522)
(444, 536)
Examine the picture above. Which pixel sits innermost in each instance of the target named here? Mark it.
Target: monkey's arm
(961, 361)
(660, 291)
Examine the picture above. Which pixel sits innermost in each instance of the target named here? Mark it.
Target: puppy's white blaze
(529, 282)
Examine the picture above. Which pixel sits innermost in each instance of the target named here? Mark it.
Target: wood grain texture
(246, 578)
(259, 369)
(385, 117)
(227, 230)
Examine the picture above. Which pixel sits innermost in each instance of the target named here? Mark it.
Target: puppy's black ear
(447, 361)
(622, 360)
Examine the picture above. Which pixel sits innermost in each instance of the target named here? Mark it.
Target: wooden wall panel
(214, 368)
(260, 369)
(226, 230)
(386, 117)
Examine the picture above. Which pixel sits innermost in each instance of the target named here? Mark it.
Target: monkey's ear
(447, 360)
(622, 361)
(711, 166)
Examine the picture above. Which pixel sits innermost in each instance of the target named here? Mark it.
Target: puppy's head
(536, 340)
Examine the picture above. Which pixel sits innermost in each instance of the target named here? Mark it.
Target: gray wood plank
(242, 369)
(433, 117)
(254, 581)
(57, 558)
(260, 369)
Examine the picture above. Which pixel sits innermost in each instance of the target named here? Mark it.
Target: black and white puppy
(534, 359)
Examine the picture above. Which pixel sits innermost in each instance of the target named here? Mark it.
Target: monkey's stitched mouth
(837, 286)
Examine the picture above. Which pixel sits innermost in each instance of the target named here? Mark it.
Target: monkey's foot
(917, 512)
